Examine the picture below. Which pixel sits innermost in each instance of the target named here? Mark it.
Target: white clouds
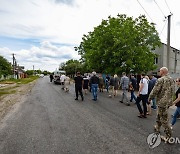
(60, 22)
(65, 22)
(46, 56)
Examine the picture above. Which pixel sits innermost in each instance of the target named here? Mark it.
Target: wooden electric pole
(168, 40)
(13, 65)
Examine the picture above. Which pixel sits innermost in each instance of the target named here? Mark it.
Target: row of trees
(5, 67)
(119, 44)
(34, 72)
(72, 66)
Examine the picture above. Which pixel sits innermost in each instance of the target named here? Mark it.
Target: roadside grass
(20, 81)
(9, 90)
(17, 82)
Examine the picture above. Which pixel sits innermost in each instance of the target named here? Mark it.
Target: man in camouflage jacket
(163, 91)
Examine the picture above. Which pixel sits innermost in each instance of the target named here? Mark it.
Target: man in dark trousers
(78, 85)
(51, 77)
(94, 84)
(151, 85)
(132, 87)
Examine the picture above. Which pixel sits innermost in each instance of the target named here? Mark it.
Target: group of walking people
(158, 92)
(64, 81)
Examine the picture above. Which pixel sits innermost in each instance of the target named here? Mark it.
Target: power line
(145, 10)
(163, 27)
(159, 8)
(167, 6)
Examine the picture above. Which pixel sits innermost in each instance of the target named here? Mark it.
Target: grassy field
(16, 82)
(9, 90)
(20, 81)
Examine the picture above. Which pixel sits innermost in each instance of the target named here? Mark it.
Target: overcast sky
(43, 33)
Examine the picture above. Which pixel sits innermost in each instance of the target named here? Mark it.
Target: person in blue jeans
(94, 85)
(177, 103)
(142, 96)
(151, 85)
(132, 88)
(107, 80)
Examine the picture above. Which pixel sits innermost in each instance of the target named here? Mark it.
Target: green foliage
(20, 81)
(5, 67)
(38, 71)
(29, 72)
(45, 72)
(120, 44)
(72, 66)
(62, 66)
(6, 91)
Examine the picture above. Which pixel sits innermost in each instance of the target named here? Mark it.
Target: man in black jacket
(78, 85)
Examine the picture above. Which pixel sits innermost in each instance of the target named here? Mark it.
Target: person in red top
(177, 103)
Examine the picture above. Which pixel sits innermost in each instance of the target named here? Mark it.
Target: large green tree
(72, 66)
(5, 67)
(120, 44)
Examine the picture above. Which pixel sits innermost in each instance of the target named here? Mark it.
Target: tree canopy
(120, 44)
(5, 67)
(72, 66)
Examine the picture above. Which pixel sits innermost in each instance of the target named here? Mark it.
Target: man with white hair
(163, 92)
(94, 81)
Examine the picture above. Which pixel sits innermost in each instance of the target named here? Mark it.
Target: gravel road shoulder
(11, 101)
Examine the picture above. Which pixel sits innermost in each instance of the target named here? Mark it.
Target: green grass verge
(20, 81)
(6, 91)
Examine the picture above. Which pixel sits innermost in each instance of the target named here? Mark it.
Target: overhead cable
(145, 10)
(159, 8)
(163, 27)
(167, 6)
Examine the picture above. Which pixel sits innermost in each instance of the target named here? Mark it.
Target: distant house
(173, 59)
(19, 72)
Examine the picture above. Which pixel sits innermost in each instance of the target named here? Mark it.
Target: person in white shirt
(142, 96)
(62, 79)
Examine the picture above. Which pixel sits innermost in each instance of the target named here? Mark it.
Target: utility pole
(33, 70)
(168, 40)
(13, 65)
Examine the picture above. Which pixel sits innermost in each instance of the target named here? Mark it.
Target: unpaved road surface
(49, 121)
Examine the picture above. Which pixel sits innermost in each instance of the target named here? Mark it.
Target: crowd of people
(152, 92)
(64, 81)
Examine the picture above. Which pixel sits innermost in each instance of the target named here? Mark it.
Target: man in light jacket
(124, 85)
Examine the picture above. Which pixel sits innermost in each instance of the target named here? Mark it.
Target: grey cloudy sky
(43, 33)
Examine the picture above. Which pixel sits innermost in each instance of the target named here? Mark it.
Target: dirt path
(8, 101)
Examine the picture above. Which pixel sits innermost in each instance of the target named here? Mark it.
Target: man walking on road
(142, 96)
(163, 91)
(124, 85)
(78, 85)
(133, 86)
(94, 84)
(151, 85)
(51, 77)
